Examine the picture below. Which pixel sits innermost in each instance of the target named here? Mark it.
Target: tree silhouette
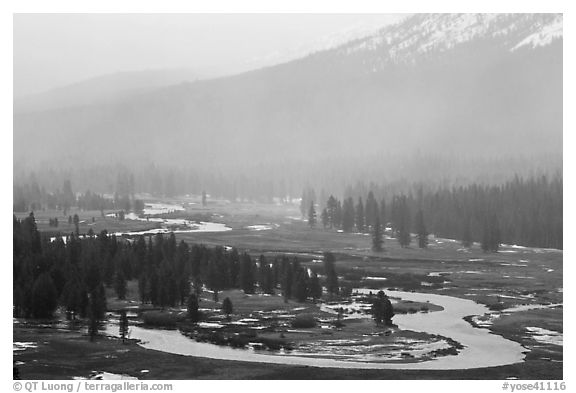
(123, 325)
(330, 271)
(377, 238)
(193, 308)
(312, 215)
(227, 307)
(421, 230)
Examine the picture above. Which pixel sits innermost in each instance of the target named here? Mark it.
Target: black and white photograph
(287, 196)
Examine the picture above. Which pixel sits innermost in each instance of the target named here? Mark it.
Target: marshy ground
(522, 288)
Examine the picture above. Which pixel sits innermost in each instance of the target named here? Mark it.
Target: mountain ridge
(476, 97)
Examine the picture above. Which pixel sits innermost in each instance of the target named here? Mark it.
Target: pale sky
(52, 50)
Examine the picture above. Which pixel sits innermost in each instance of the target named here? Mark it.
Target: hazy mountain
(108, 87)
(476, 85)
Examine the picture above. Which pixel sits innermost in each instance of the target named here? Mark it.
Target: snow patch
(545, 336)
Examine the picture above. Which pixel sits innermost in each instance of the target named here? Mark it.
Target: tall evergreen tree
(360, 216)
(371, 210)
(227, 307)
(325, 218)
(247, 279)
(315, 287)
(382, 210)
(44, 297)
(312, 215)
(214, 279)
(401, 220)
(332, 211)
(491, 235)
(265, 276)
(287, 279)
(300, 285)
(193, 308)
(96, 310)
(76, 220)
(348, 215)
(338, 215)
(377, 238)
(467, 234)
(421, 231)
(330, 271)
(73, 297)
(123, 325)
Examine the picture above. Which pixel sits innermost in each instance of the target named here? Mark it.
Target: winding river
(481, 347)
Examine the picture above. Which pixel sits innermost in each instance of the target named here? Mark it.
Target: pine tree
(491, 235)
(315, 287)
(401, 220)
(304, 202)
(383, 218)
(123, 325)
(287, 279)
(301, 285)
(193, 308)
(227, 307)
(377, 239)
(338, 215)
(331, 277)
(76, 220)
(120, 285)
(214, 279)
(371, 210)
(348, 215)
(44, 297)
(360, 216)
(96, 310)
(421, 230)
(332, 211)
(312, 215)
(246, 275)
(467, 234)
(265, 278)
(325, 218)
(73, 297)
(382, 310)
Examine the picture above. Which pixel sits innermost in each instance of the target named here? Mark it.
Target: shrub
(274, 344)
(159, 318)
(304, 321)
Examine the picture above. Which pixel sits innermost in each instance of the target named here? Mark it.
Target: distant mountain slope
(479, 85)
(109, 87)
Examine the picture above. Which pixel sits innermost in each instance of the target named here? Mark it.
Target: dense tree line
(520, 211)
(32, 197)
(73, 272)
(282, 181)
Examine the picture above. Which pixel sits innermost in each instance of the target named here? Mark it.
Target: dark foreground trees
(44, 297)
(76, 272)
